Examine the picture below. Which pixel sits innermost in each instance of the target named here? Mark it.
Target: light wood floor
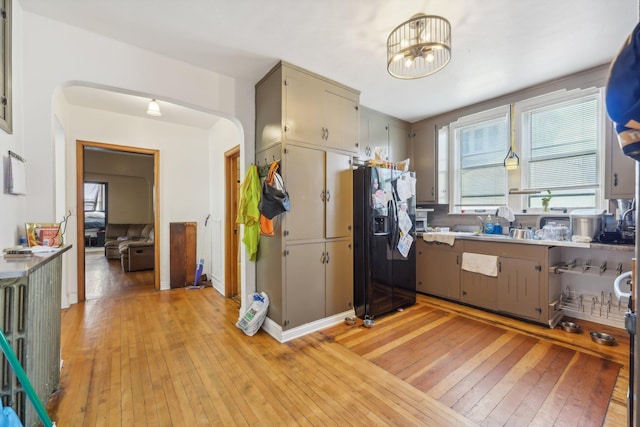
(142, 357)
(104, 278)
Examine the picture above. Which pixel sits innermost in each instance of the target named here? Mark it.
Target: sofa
(132, 244)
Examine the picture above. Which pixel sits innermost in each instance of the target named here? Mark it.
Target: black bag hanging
(274, 199)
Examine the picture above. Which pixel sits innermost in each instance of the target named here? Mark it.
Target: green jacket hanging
(248, 213)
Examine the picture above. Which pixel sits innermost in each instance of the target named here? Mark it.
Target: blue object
(497, 229)
(623, 95)
(488, 226)
(9, 418)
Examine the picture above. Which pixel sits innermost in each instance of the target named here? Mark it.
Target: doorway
(81, 146)
(232, 268)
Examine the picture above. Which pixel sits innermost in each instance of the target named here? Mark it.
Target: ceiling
(498, 46)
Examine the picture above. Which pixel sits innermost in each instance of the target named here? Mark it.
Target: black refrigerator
(384, 240)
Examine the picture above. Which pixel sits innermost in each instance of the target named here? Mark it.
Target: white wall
(185, 168)
(223, 137)
(13, 208)
(49, 55)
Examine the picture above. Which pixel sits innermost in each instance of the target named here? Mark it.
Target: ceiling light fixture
(419, 47)
(153, 109)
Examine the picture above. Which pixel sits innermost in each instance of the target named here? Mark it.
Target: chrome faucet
(481, 224)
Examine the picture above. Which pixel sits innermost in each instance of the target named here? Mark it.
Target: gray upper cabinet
(620, 170)
(383, 137)
(293, 104)
(425, 163)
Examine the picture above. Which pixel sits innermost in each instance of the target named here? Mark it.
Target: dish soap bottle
(488, 225)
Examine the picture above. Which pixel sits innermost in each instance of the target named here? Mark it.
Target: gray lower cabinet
(519, 287)
(338, 277)
(304, 284)
(479, 290)
(438, 269)
(318, 281)
(522, 288)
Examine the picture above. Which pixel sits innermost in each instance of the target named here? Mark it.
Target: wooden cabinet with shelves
(438, 269)
(182, 253)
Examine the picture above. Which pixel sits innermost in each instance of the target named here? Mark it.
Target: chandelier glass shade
(419, 47)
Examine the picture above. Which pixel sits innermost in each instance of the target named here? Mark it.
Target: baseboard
(275, 330)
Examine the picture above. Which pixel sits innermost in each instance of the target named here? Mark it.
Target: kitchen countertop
(11, 268)
(501, 238)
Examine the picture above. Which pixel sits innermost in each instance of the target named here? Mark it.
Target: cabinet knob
(328, 195)
(615, 179)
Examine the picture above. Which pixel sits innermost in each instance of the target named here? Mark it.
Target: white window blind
(562, 141)
(480, 146)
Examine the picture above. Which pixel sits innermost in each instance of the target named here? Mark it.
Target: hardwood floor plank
(439, 368)
(536, 393)
(446, 384)
(489, 374)
(505, 384)
(505, 411)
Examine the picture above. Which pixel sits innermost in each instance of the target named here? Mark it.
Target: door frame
(231, 241)
(80, 146)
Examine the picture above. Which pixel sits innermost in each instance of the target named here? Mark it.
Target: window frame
(522, 141)
(6, 96)
(454, 158)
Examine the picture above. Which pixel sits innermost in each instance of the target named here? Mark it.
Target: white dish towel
(480, 263)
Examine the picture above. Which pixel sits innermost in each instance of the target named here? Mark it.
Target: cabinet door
(620, 172)
(519, 287)
(378, 136)
(304, 112)
(339, 277)
(341, 122)
(438, 270)
(424, 161)
(364, 151)
(304, 287)
(480, 290)
(304, 178)
(399, 143)
(338, 195)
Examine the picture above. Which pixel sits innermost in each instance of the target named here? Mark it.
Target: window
(558, 138)
(95, 196)
(479, 146)
(561, 138)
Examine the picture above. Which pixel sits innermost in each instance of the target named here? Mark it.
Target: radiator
(30, 318)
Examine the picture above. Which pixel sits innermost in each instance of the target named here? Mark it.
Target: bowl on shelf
(602, 338)
(572, 328)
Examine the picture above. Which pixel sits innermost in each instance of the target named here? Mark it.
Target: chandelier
(419, 47)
